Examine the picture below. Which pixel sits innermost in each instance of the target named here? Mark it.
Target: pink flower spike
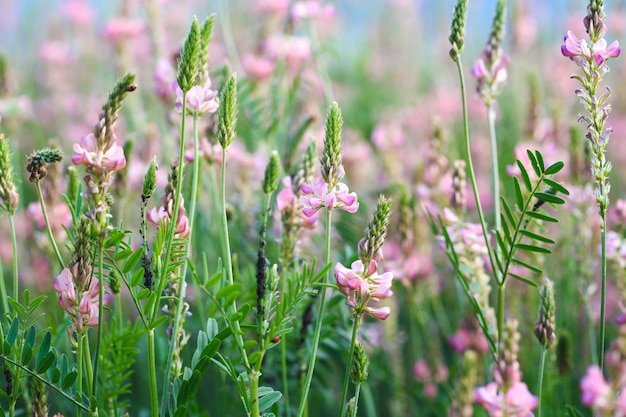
(64, 286)
(88, 153)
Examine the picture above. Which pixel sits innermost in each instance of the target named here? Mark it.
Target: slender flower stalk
(9, 199)
(544, 332)
(592, 59)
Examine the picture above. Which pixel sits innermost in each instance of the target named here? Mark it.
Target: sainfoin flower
(287, 201)
(318, 196)
(576, 48)
(362, 285)
(83, 307)
(517, 402)
(200, 99)
(595, 390)
(160, 215)
(88, 153)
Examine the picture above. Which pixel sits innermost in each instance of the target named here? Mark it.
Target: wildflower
(517, 402)
(362, 285)
(160, 216)
(117, 30)
(576, 49)
(81, 305)
(200, 99)
(311, 9)
(89, 153)
(319, 196)
(596, 392)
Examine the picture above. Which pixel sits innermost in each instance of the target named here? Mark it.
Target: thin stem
(79, 361)
(154, 396)
(470, 165)
(357, 392)
(491, 118)
(346, 378)
(15, 264)
(542, 362)
(87, 362)
(168, 252)
(283, 356)
(500, 314)
(96, 364)
(603, 293)
(3, 291)
(48, 228)
(318, 323)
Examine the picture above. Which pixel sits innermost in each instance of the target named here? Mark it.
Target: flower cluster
(288, 201)
(81, 304)
(200, 99)
(580, 51)
(318, 196)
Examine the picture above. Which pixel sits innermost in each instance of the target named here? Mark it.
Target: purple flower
(319, 196)
(498, 74)
(576, 49)
(88, 153)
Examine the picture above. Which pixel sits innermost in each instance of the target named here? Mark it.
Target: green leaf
(541, 216)
(44, 347)
(507, 210)
(45, 363)
(524, 280)
(27, 354)
(143, 293)
(55, 376)
(228, 290)
(536, 236)
(213, 280)
(156, 323)
(531, 248)
(30, 336)
(524, 175)
(556, 186)
(137, 277)
(133, 260)
(242, 313)
(69, 380)
(533, 162)
(268, 400)
(554, 168)
(123, 254)
(518, 194)
(540, 161)
(15, 326)
(254, 357)
(211, 349)
(181, 411)
(115, 237)
(527, 265)
(549, 198)
(212, 328)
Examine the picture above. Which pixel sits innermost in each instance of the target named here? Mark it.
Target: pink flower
(164, 76)
(620, 404)
(518, 402)
(361, 285)
(498, 74)
(64, 286)
(88, 153)
(575, 48)
(311, 9)
(79, 12)
(161, 216)
(85, 312)
(258, 67)
(200, 99)
(596, 392)
(421, 372)
(319, 196)
(286, 200)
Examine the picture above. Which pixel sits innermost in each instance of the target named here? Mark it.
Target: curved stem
(318, 323)
(47, 222)
(346, 377)
(94, 382)
(154, 396)
(542, 362)
(603, 294)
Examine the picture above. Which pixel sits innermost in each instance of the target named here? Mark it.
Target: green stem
(48, 228)
(253, 378)
(491, 117)
(79, 370)
(87, 362)
(168, 253)
(318, 323)
(154, 396)
(357, 392)
(346, 378)
(542, 362)
(470, 165)
(94, 382)
(283, 356)
(500, 314)
(603, 294)
(3, 291)
(15, 264)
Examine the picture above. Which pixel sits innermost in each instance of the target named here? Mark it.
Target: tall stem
(283, 356)
(94, 382)
(79, 371)
(154, 396)
(171, 231)
(346, 378)
(15, 264)
(542, 362)
(318, 323)
(491, 118)
(357, 392)
(47, 222)
(603, 294)
(3, 291)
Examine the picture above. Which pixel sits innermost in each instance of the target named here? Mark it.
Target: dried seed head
(39, 160)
